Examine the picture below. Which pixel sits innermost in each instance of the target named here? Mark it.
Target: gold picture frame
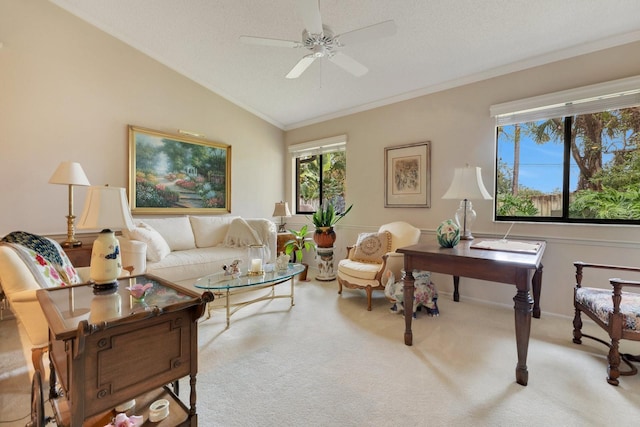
(177, 174)
(407, 176)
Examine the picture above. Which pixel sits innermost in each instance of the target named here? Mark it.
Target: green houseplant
(324, 219)
(298, 243)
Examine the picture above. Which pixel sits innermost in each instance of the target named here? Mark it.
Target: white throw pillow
(241, 234)
(175, 230)
(210, 230)
(157, 247)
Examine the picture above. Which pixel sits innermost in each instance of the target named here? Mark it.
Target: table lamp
(105, 208)
(467, 184)
(70, 173)
(282, 210)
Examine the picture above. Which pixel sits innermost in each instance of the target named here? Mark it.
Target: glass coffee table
(225, 286)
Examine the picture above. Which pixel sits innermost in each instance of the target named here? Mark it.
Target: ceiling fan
(322, 43)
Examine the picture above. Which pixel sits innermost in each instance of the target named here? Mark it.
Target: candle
(256, 265)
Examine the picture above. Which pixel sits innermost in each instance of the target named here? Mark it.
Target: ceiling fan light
(319, 51)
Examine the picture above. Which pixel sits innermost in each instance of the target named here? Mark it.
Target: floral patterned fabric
(45, 259)
(600, 301)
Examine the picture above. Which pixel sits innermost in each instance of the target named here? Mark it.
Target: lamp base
(465, 217)
(71, 244)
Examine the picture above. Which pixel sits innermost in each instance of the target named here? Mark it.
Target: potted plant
(324, 219)
(296, 245)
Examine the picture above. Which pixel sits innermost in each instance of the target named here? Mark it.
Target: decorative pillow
(210, 230)
(157, 247)
(241, 234)
(176, 231)
(370, 247)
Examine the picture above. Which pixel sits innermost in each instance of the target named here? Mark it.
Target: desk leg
(536, 285)
(408, 305)
(456, 284)
(523, 307)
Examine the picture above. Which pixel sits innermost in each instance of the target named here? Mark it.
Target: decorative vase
(448, 234)
(106, 264)
(324, 237)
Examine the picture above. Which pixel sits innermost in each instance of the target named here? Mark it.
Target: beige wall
(458, 124)
(68, 92)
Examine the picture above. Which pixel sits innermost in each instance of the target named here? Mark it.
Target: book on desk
(508, 246)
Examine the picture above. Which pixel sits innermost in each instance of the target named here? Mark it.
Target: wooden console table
(107, 348)
(497, 266)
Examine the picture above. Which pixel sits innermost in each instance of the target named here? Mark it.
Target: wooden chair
(372, 274)
(615, 311)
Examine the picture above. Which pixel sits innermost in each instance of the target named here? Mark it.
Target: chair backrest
(402, 234)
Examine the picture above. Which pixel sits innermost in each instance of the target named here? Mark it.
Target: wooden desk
(497, 266)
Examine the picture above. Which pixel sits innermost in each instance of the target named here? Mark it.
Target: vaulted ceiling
(438, 44)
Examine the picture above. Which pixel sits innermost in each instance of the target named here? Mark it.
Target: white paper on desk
(507, 245)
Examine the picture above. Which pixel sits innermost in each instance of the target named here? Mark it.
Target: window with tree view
(582, 168)
(320, 178)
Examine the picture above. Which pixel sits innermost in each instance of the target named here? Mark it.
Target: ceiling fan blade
(375, 31)
(310, 12)
(301, 66)
(349, 64)
(269, 42)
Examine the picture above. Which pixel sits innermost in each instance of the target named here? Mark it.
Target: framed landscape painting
(178, 174)
(407, 176)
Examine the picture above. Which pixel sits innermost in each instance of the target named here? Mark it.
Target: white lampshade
(69, 173)
(106, 208)
(281, 209)
(467, 184)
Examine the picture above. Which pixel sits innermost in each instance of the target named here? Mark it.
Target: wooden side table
(282, 239)
(80, 256)
(106, 348)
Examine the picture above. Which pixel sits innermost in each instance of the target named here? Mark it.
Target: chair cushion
(600, 302)
(371, 247)
(157, 247)
(360, 270)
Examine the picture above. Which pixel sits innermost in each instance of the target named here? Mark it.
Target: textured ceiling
(438, 44)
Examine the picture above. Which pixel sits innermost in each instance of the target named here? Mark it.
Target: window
(320, 174)
(575, 159)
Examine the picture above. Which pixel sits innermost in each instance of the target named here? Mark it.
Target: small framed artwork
(178, 174)
(407, 176)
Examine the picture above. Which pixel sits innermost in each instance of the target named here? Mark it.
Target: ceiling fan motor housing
(320, 44)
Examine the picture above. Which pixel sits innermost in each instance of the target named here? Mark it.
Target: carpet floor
(327, 361)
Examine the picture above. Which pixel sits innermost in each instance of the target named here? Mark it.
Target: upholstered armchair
(373, 256)
(614, 310)
(22, 273)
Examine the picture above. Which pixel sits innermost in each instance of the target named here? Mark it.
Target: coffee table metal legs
(231, 308)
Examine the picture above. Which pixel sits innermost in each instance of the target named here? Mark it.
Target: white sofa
(185, 248)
